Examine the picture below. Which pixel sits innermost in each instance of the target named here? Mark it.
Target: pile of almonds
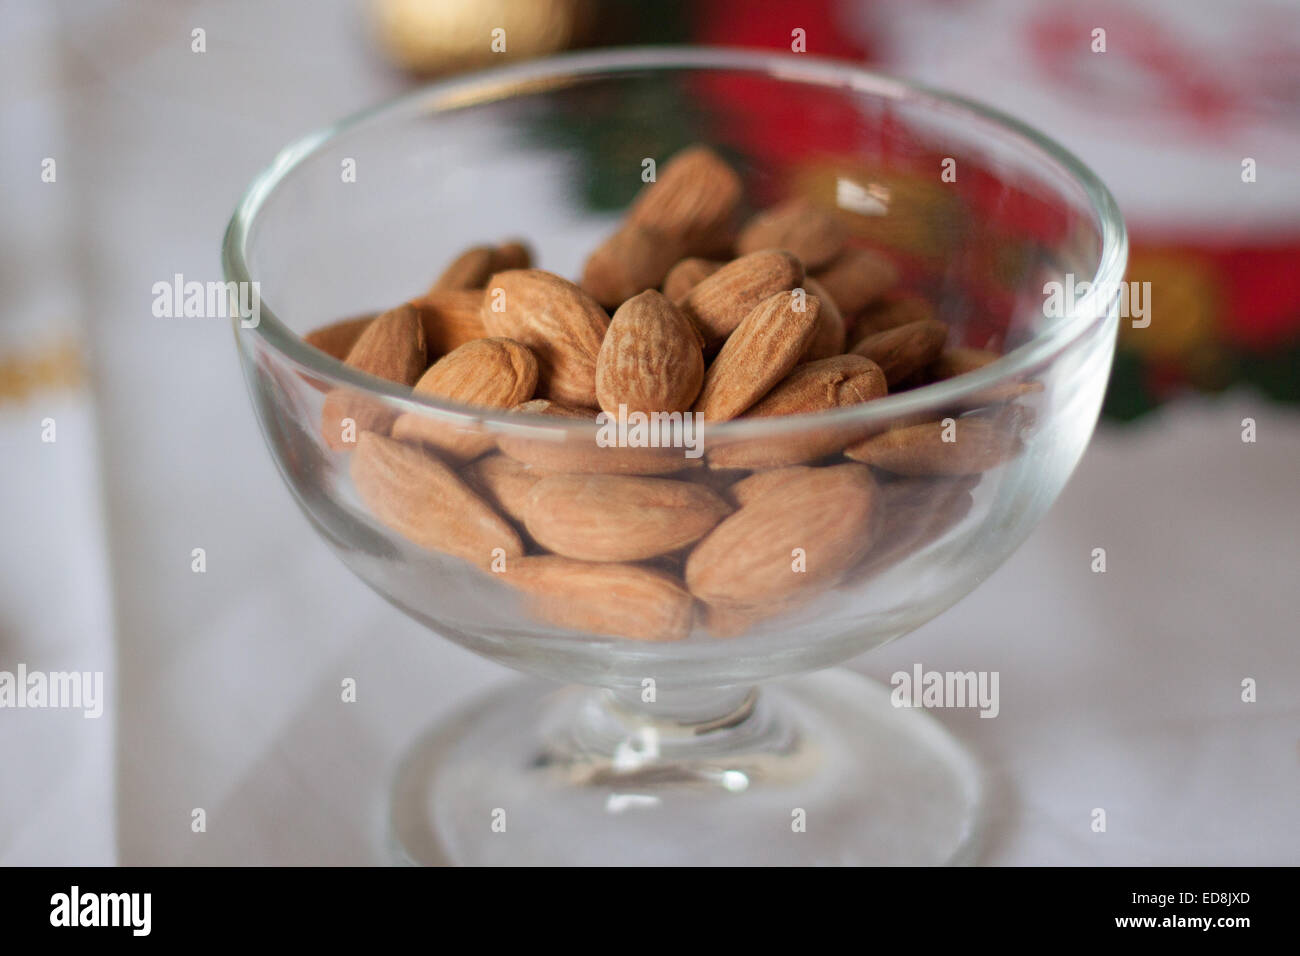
(677, 312)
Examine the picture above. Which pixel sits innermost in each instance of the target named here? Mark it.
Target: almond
(905, 350)
(751, 486)
(619, 517)
(473, 267)
(687, 274)
(856, 278)
(694, 200)
(892, 312)
(629, 262)
(812, 387)
(580, 453)
(616, 600)
(505, 482)
(392, 347)
(758, 354)
(977, 445)
(491, 373)
(814, 235)
(450, 318)
(563, 325)
(819, 521)
(720, 302)
(337, 338)
(420, 498)
(958, 361)
(829, 338)
(650, 360)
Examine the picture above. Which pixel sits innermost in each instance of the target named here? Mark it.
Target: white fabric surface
(1119, 691)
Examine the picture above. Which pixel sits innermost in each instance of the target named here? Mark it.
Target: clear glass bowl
(675, 758)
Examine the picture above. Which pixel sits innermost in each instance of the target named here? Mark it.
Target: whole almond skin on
(719, 303)
(687, 274)
(890, 313)
(829, 338)
(420, 498)
(492, 373)
(750, 487)
(758, 354)
(630, 261)
(651, 360)
(913, 513)
(391, 347)
(581, 454)
(830, 383)
(562, 324)
(815, 235)
(505, 482)
(978, 445)
(856, 278)
(694, 200)
(337, 338)
(451, 317)
(619, 517)
(749, 559)
(905, 350)
(473, 267)
(616, 600)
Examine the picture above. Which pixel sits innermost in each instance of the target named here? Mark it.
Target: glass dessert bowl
(668, 582)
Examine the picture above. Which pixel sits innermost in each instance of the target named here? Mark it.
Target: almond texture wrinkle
(693, 199)
(650, 360)
(687, 274)
(423, 500)
(619, 518)
(977, 445)
(615, 600)
(490, 373)
(905, 350)
(820, 386)
(391, 347)
(764, 347)
(718, 303)
(856, 278)
(814, 235)
(791, 540)
(562, 324)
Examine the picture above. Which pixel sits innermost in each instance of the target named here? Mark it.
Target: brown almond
(751, 486)
(505, 482)
(954, 361)
(720, 302)
(813, 234)
(650, 360)
(694, 200)
(856, 278)
(489, 373)
(337, 338)
(791, 541)
(891, 313)
(619, 517)
(630, 261)
(976, 445)
(562, 324)
(829, 338)
(581, 453)
(391, 347)
(905, 350)
(615, 600)
(473, 267)
(416, 495)
(451, 317)
(830, 383)
(913, 513)
(687, 274)
(758, 354)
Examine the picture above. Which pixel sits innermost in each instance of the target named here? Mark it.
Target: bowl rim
(552, 72)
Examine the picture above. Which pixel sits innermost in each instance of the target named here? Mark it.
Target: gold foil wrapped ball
(442, 36)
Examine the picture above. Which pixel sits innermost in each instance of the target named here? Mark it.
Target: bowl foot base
(819, 769)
